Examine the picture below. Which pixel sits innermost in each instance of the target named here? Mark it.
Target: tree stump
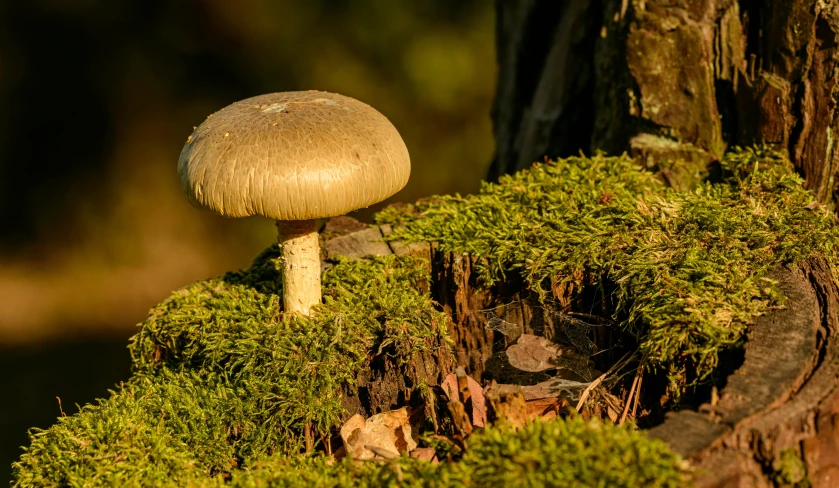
(777, 417)
(784, 398)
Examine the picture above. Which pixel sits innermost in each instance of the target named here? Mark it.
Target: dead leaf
(479, 411)
(552, 388)
(425, 454)
(386, 432)
(545, 408)
(533, 354)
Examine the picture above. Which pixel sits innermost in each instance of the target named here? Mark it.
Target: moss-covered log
(677, 83)
(775, 422)
(669, 80)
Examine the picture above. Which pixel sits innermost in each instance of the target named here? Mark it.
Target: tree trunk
(668, 79)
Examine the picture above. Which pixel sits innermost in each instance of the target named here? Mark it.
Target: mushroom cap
(293, 156)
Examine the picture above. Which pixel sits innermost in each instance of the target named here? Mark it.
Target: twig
(381, 451)
(59, 407)
(671, 285)
(637, 395)
(307, 433)
(594, 384)
(327, 443)
(633, 391)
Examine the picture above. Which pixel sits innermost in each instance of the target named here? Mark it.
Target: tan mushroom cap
(293, 156)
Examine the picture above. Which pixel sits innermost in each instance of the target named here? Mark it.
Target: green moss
(169, 427)
(220, 356)
(225, 386)
(153, 434)
(690, 267)
(789, 470)
(567, 453)
(233, 326)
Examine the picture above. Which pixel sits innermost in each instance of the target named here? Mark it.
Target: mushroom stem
(300, 255)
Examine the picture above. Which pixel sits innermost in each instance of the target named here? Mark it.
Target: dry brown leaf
(479, 411)
(425, 454)
(553, 388)
(533, 354)
(387, 432)
(545, 408)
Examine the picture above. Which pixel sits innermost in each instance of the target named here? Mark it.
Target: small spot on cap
(273, 108)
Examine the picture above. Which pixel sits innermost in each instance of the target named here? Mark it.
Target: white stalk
(301, 265)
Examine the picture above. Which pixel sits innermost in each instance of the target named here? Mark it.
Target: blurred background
(96, 100)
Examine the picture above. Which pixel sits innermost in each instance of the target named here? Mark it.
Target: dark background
(98, 96)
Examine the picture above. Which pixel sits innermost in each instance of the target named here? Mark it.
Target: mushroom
(294, 157)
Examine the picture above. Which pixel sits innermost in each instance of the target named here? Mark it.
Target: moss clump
(167, 428)
(141, 437)
(567, 453)
(218, 356)
(790, 470)
(223, 389)
(232, 326)
(690, 267)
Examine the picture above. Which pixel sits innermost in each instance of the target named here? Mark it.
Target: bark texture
(775, 422)
(483, 321)
(675, 83)
(669, 80)
(454, 285)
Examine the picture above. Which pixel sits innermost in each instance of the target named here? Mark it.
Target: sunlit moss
(225, 386)
(690, 267)
(569, 453)
(222, 378)
(178, 429)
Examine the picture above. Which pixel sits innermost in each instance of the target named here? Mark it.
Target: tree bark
(669, 80)
(776, 418)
